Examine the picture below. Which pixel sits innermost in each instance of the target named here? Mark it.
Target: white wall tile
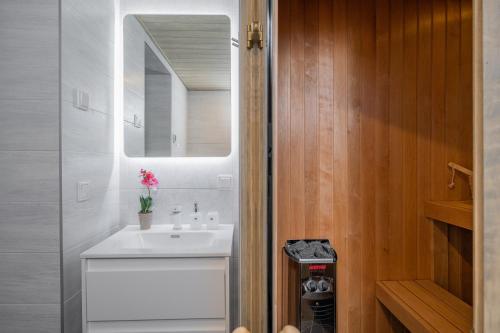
(165, 199)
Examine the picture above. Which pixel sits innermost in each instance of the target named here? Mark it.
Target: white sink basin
(163, 241)
(169, 240)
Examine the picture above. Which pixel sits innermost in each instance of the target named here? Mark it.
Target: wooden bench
(423, 306)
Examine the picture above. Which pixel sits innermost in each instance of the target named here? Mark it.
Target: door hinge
(255, 35)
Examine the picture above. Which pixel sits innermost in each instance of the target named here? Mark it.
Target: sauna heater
(310, 287)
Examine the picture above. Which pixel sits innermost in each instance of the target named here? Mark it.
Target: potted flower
(149, 181)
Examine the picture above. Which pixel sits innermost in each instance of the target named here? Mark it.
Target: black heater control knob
(323, 285)
(311, 285)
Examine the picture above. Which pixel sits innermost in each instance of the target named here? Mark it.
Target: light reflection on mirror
(177, 85)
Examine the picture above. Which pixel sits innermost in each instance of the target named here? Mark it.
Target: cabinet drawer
(159, 326)
(155, 289)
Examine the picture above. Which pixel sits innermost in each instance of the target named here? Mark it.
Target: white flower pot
(145, 220)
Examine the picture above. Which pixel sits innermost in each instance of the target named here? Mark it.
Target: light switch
(137, 121)
(225, 182)
(83, 191)
(81, 99)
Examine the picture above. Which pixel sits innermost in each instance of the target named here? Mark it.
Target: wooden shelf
(458, 213)
(423, 306)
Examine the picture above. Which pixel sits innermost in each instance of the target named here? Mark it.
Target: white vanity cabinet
(155, 295)
(159, 280)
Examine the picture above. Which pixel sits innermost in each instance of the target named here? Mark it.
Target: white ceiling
(197, 47)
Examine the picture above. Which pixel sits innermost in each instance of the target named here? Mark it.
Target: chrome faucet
(176, 216)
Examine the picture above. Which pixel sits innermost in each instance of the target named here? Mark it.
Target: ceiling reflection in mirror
(177, 85)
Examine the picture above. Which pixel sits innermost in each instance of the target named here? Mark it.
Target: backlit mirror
(177, 85)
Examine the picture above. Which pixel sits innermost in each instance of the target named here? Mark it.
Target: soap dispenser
(195, 218)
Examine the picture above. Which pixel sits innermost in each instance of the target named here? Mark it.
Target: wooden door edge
(478, 305)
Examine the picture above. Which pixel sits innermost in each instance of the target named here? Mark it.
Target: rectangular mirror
(177, 85)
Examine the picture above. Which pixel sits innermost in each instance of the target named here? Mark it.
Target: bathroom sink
(163, 241)
(182, 240)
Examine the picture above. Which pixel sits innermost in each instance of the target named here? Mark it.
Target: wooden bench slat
(411, 319)
(431, 316)
(441, 307)
(463, 308)
(422, 306)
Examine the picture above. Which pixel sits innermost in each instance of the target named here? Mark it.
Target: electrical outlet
(83, 191)
(225, 182)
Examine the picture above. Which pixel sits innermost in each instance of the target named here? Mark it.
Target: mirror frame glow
(227, 8)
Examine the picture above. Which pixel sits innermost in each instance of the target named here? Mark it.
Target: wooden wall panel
(253, 175)
(373, 100)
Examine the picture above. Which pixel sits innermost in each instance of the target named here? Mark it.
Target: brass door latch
(255, 35)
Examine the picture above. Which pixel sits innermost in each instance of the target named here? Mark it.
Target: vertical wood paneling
(409, 139)
(297, 75)
(381, 149)
(367, 158)
(438, 149)
(311, 117)
(253, 174)
(340, 185)
(365, 96)
(424, 112)
(282, 151)
(353, 218)
(325, 126)
(396, 71)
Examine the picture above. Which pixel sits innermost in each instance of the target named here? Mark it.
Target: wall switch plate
(225, 182)
(137, 121)
(83, 191)
(81, 99)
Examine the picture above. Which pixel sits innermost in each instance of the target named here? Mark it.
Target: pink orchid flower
(148, 179)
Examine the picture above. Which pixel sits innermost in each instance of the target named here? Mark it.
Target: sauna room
(249, 166)
(373, 149)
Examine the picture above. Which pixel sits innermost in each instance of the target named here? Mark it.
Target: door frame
(478, 202)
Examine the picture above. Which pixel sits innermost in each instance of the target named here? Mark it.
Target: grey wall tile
(72, 266)
(72, 270)
(30, 318)
(29, 278)
(87, 140)
(29, 176)
(29, 52)
(29, 163)
(29, 124)
(96, 168)
(491, 127)
(29, 227)
(73, 314)
(234, 292)
(88, 33)
(83, 221)
(76, 126)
